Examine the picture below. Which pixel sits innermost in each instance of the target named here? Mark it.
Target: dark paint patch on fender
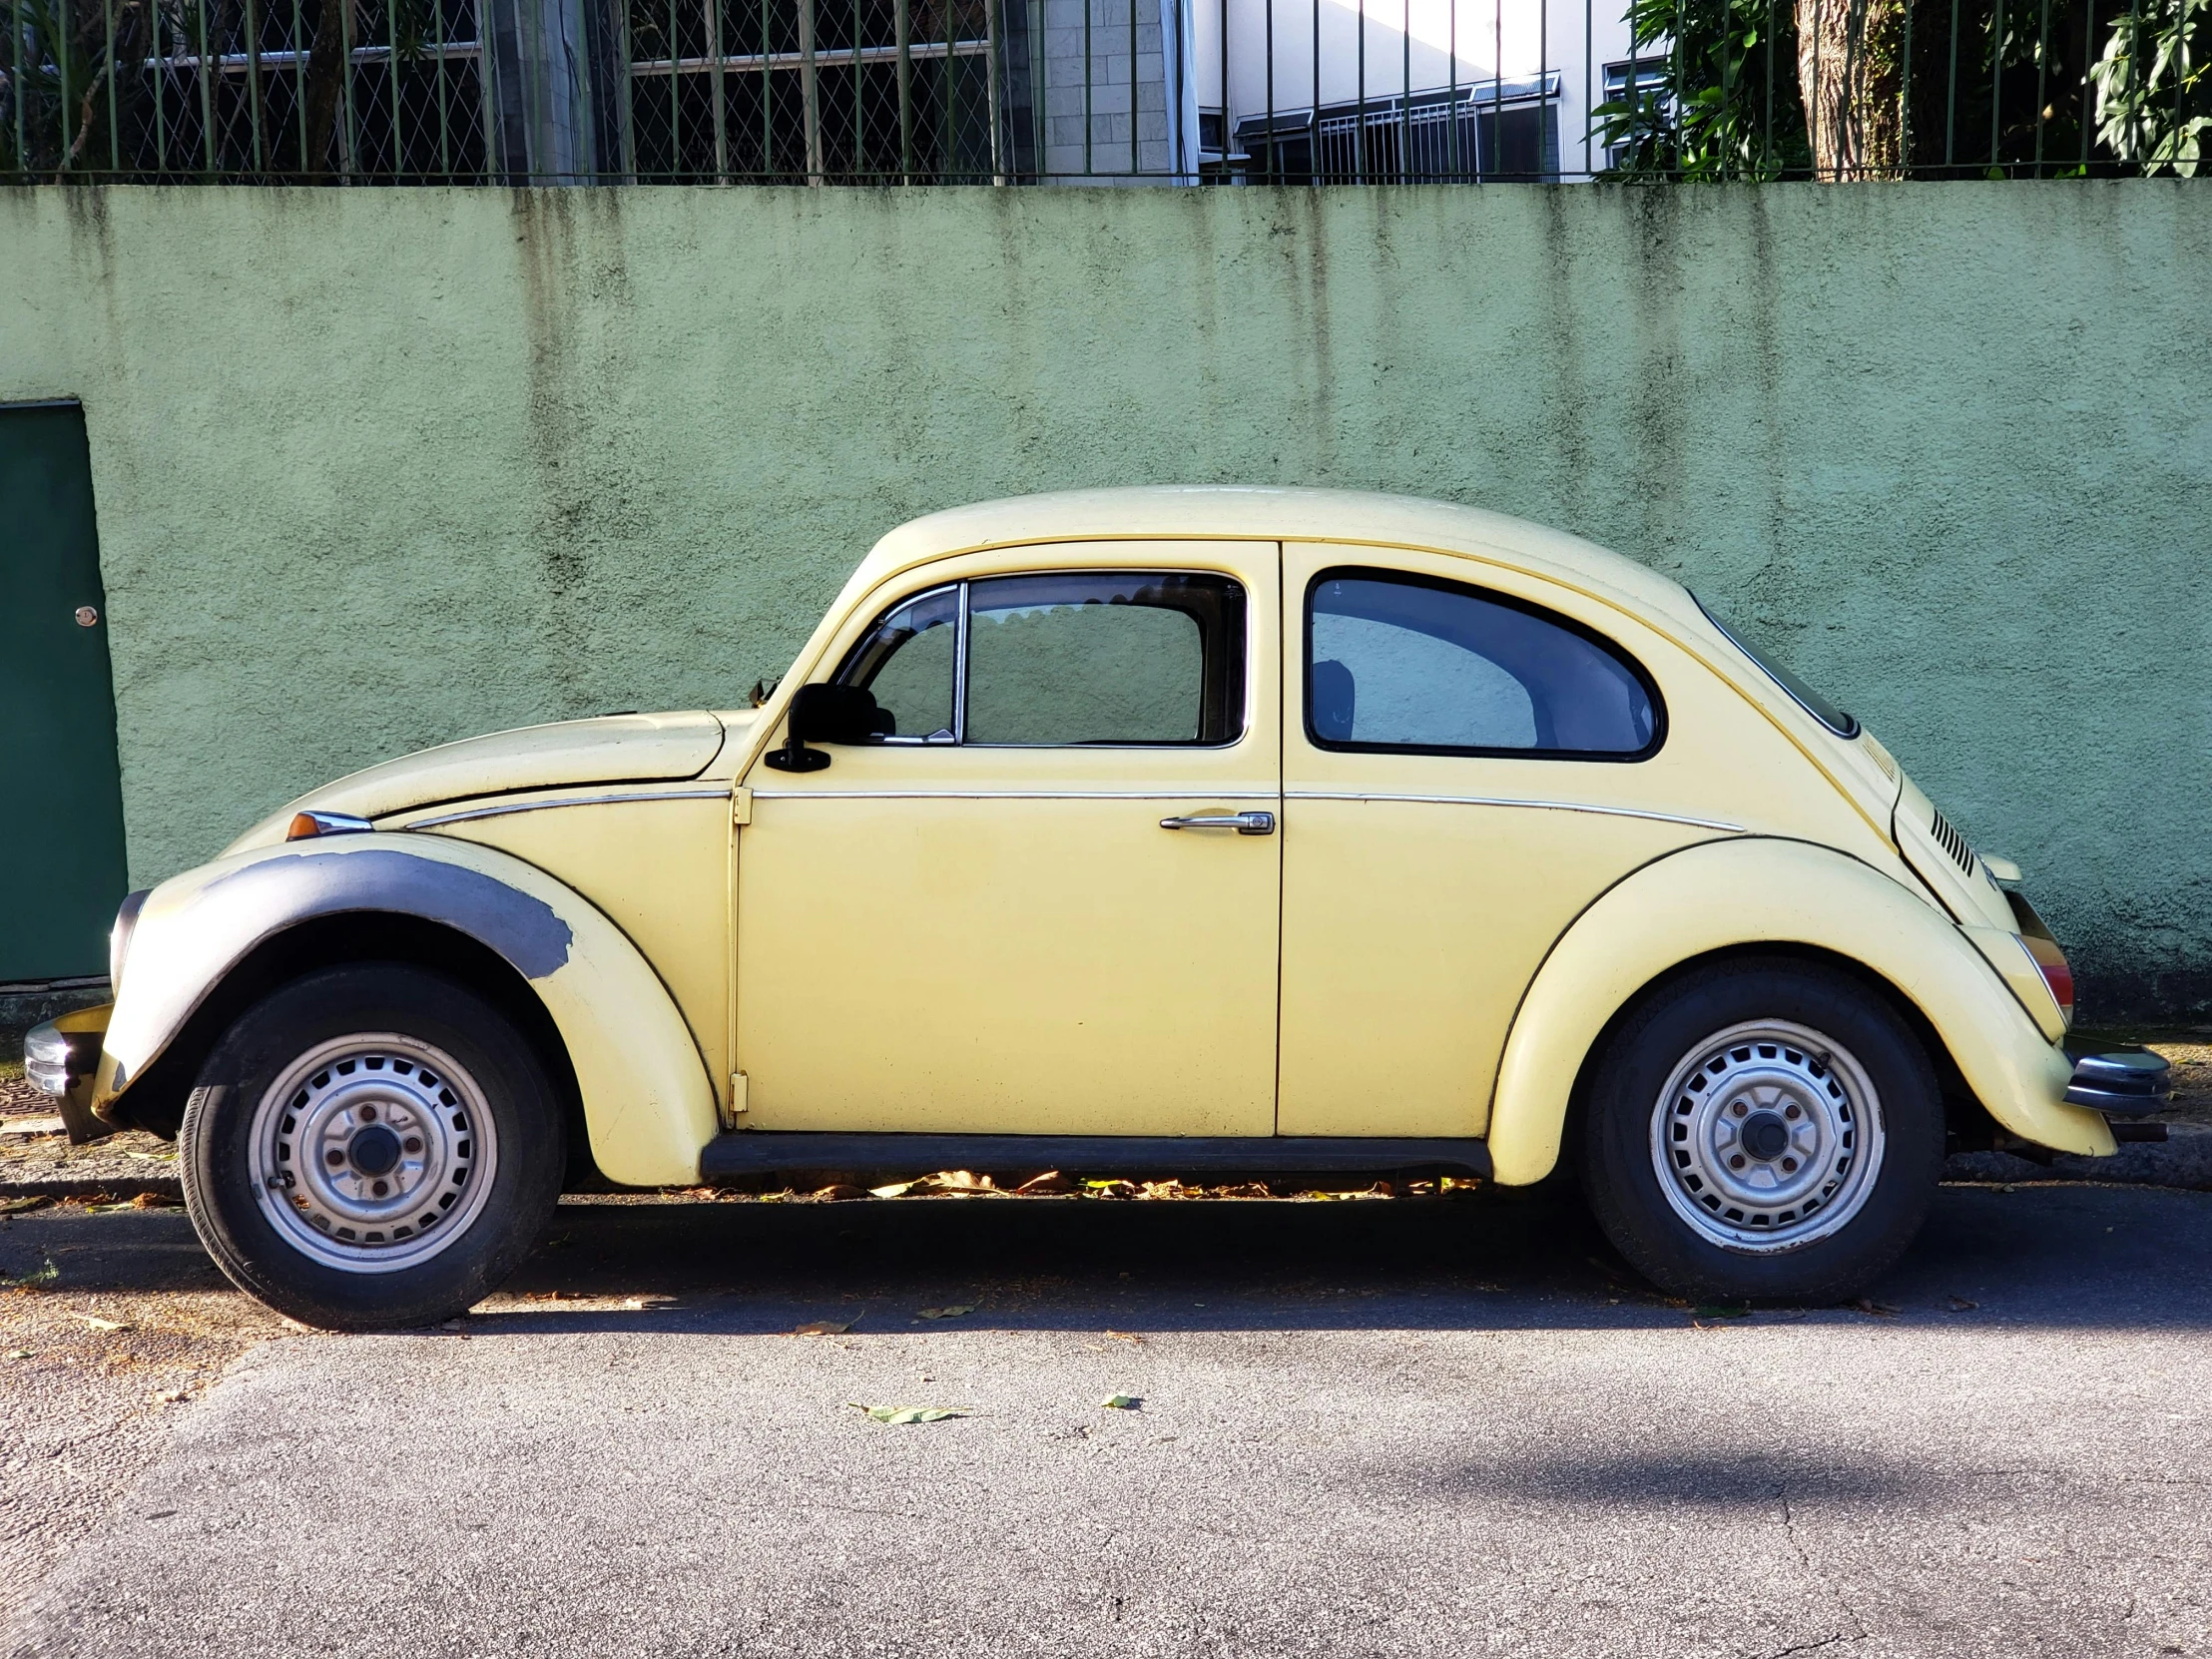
(525, 930)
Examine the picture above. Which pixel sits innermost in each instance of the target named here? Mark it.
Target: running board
(745, 1153)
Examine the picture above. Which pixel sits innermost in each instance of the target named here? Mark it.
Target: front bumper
(2128, 1083)
(60, 1058)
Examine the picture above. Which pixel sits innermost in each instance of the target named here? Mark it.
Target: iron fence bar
(809, 94)
(207, 97)
(15, 90)
(904, 25)
(1136, 162)
(1497, 93)
(1766, 131)
(347, 141)
(1405, 93)
(1313, 131)
(1274, 171)
(391, 83)
(115, 125)
(299, 82)
(1904, 101)
(1950, 95)
(1996, 81)
(437, 40)
(993, 86)
(2135, 60)
(949, 85)
(2042, 79)
(1451, 91)
(718, 105)
(1359, 126)
(1088, 7)
(1543, 77)
(253, 78)
(61, 90)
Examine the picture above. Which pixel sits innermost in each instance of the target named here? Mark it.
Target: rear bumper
(2128, 1083)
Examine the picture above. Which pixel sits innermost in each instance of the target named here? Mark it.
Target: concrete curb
(2183, 1159)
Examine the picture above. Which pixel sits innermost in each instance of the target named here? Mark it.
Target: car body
(1171, 829)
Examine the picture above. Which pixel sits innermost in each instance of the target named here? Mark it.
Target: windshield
(1812, 703)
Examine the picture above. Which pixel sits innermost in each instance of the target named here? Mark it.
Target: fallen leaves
(1050, 1182)
(951, 1312)
(840, 1192)
(1125, 1335)
(906, 1414)
(1123, 1402)
(1960, 1304)
(99, 1324)
(826, 1327)
(17, 1206)
(1879, 1310)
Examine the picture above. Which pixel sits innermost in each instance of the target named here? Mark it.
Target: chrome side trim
(1192, 794)
(1498, 801)
(507, 807)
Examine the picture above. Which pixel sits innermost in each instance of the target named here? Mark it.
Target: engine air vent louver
(1950, 840)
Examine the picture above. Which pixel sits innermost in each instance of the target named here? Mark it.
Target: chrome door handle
(1245, 823)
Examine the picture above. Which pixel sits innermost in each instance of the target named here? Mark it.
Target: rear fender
(1754, 891)
(648, 1104)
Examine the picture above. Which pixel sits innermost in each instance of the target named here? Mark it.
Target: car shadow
(2069, 1256)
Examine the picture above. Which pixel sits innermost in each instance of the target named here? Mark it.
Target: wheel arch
(1767, 897)
(211, 942)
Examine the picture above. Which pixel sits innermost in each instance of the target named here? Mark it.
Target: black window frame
(1229, 661)
(1512, 602)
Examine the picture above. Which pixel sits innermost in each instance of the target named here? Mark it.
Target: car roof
(1274, 512)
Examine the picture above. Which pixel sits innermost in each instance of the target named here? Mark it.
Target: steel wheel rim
(1768, 1137)
(372, 1153)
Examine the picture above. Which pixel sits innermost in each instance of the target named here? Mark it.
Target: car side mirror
(827, 714)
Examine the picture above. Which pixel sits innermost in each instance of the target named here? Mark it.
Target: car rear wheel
(371, 1146)
(1762, 1130)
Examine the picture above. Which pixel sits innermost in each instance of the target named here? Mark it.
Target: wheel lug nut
(368, 1114)
(1735, 1161)
(1789, 1167)
(381, 1187)
(1793, 1113)
(333, 1158)
(1738, 1109)
(414, 1143)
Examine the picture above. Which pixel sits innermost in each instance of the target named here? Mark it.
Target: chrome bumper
(2132, 1083)
(60, 1058)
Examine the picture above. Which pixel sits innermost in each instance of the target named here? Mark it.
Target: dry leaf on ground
(906, 1414)
(951, 1312)
(1123, 1402)
(1125, 1335)
(824, 1328)
(1879, 1310)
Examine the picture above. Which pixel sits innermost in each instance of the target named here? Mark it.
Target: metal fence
(1106, 90)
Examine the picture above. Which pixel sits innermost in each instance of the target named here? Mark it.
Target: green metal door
(61, 834)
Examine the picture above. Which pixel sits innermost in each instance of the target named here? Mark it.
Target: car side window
(908, 660)
(1403, 661)
(1062, 660)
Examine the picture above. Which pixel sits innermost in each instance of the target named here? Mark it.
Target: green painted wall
(381, 467)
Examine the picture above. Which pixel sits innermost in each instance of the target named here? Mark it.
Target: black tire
(1857, 1217)
(338, 1276)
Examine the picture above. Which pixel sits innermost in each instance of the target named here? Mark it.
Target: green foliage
(2154, 86)
(1724, 101)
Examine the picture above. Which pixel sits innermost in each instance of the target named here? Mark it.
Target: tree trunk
(1851, 73)
(326, 66)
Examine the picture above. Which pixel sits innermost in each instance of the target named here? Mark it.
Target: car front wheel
(1763, 1130)
(370, 1146)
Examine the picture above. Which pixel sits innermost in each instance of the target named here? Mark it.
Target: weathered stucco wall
(378, 468)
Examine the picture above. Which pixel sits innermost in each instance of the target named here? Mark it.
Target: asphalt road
(1366, 1428)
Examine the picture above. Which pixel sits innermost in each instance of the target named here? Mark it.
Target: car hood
(614, 749)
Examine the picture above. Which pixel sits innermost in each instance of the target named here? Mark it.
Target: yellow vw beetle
(1147, 832)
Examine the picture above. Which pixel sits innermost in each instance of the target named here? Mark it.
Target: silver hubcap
(372, 1153)
(1768, 1137)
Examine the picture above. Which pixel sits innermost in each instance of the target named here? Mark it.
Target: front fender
(647, 1105)
(1751, 891)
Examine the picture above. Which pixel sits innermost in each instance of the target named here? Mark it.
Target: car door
(1466, 765)
(983, 922)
